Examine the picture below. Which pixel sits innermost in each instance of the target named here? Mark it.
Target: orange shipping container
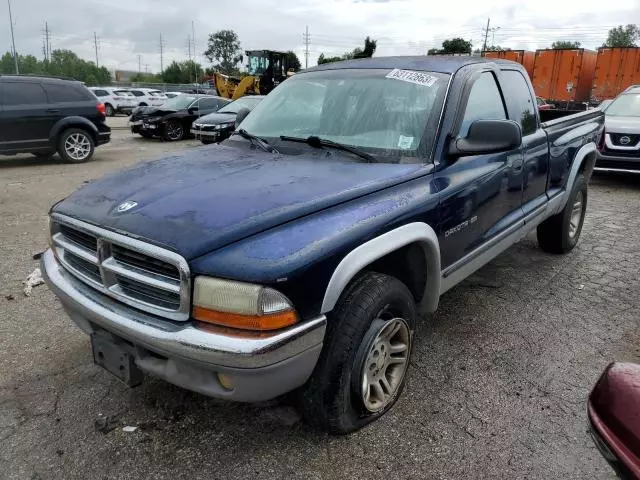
(564, 75)
(523, 57)
(616, 69)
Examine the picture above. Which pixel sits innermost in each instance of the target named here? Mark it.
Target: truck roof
(431, 63)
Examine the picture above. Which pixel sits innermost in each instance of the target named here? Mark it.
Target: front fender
(312, 259)
(72, 122)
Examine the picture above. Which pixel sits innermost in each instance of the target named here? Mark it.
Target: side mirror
(193, 109)
(487, 136)
(241, 115)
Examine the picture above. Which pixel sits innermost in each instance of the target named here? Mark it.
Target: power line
(307, 39)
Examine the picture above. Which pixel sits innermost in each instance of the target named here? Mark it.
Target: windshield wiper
(318, 142)
(263, 144)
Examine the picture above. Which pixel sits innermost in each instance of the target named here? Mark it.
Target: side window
(101, 93)
(137, 93)
(207, 103)
(23, 93)
(485, 103)
(516, 92)
(60, 93)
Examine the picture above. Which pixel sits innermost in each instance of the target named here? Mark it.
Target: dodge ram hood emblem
(128, 205)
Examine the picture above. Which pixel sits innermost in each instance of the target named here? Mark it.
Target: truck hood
(205, 198)
(615, 124)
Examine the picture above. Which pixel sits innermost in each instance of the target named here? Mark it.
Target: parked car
(115, 100)
(42, 115)
(218, 126)
(542, 104)
(148, 97)
(614, 418)
(619, 147)
(172, 121)
(300, 255)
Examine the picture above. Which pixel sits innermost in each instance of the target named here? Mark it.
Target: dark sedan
(218, 126)
(172, 120)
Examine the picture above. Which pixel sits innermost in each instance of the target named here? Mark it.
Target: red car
(614, 415)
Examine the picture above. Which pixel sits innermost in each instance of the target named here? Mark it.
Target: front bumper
(212, 135)
(260, 367)
(608, 162)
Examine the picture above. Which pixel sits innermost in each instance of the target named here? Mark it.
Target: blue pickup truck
(298, 255)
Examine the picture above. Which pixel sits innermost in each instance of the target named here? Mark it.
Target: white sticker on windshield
(419, 78)
(405, 142)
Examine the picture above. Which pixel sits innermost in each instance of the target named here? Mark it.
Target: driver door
(481, 195)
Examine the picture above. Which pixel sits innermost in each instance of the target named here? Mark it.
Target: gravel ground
(497, 386)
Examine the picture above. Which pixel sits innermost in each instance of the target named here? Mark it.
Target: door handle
(53, 110)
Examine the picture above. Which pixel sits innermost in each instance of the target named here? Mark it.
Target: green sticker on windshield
(411, 76)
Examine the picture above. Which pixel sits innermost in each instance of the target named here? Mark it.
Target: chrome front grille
(136, 273)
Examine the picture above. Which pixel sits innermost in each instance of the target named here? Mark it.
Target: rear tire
(109, 110)
(560, 233)
(76, 146)
(346, 390)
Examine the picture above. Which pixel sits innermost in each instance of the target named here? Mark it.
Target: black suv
(42, 115)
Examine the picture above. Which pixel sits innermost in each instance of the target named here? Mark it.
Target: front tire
(75, 146)
(173, 131)
(560, 233)
(362, 368)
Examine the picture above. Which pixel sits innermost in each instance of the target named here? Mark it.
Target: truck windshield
(627, 105)
(392, 114)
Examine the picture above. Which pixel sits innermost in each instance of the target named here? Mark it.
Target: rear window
(123, 93)
(65, 93)
(137, 93)
(22, 93)
(100, 93)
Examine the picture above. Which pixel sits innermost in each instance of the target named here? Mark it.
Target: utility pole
(307, 39)
(95, 44)
(139, 63)
(161, 47)
(193, 40)
(13, 40)
(146, 68)
(486, 36)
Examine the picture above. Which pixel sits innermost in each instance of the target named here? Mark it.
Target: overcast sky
(128, 28)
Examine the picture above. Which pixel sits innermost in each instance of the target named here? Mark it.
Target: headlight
(222, 126)
(241, 305)
(153, 119)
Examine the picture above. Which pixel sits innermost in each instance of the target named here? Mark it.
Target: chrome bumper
(285, 359)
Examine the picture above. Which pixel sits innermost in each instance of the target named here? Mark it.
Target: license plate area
(116, 357)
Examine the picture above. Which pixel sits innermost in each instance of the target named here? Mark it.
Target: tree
(224, 50)
(496, 48)
(453, 46)
(184, 72)
(560, 44)
(146, 78)
(623, 36)
(293, 61)
(63, 63)
(366, 52)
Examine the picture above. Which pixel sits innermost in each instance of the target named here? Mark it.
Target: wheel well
(407, 264)
(588, 164)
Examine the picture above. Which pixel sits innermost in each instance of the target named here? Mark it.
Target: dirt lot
(497, 386)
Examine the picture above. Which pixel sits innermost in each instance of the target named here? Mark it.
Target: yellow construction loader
(266, 68)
